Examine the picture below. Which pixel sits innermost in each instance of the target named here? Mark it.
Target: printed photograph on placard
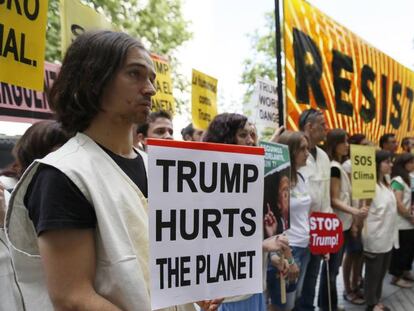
(277, 186)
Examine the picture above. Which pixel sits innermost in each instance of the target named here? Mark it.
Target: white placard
(266, 115)
(205, 212)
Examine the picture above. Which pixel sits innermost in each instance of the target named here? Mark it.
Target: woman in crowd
(233, 128)
(380, 233)
(38, 140)
(298, 233)
(402, 258)
(337, 148)
(353, 252)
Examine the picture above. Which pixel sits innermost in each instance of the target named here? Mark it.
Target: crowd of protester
(61, 244)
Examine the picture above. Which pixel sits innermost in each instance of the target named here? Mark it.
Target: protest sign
(76, 18)
(163, 99)
(18, 104)
(364, 175)
(266, 113)
(22, 42)
(205, 220)
(277, 184)
(203, 99)
(326, 235)
(359, 88)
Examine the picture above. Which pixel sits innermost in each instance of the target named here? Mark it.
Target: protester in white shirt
(317, 172)
(380, 233)
(300, 202)
(402, 258)
(337, 148)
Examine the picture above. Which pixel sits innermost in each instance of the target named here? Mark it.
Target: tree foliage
(263, 61)
(158, 23)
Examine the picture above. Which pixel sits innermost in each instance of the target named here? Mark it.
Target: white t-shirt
(318, 173)
(404, 223)
(380, 234)
(300, 204)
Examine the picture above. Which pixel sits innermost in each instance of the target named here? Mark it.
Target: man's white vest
(122, 250)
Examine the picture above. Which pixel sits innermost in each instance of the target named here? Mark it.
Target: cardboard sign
(364, 175)
(359, 88)
(205, 221)
(326, 234)
(277, 184)
(76, 18)
(266, 112)
(163, 99)
(203, 99)
(22, 42)
(18, 104)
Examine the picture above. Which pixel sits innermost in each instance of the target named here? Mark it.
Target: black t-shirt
(335, 172)
(55, 202)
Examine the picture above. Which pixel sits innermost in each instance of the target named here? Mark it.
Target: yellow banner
(364, 176)
(163, 99)
(22, 42)
(76, 18)
(359, 88)
(203, 99)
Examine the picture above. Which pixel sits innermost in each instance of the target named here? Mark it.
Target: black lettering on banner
(28, 95)
(246, 178)
(232, 181)
(76, 30)
(395, 120)
(38, 102)
(204, 115)
(175, 271)
(231, 212)
(363, 160)
(7, 97)
(183, 224)
(165, 172)
(188, 177)
(248, 221)
(200, 267)
(26, 9)
(203, 186)
(384, 83)
(410, 96)
(17, 95)
(367, 75)
(161, 68)
(161, 262)
(308, 72)
(162, 104)
(211, 223)
(160, 224)
(341, 62)
(11, 46)
(166, 88)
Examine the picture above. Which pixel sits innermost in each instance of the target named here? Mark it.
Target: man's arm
(69, 261)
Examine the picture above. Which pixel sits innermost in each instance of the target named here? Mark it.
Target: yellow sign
(76, 18)
(359, 88)
(204, 99)
(163, 99)
(364, 176)
(22, 43)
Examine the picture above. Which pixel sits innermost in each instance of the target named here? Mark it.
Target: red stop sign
(325, 233)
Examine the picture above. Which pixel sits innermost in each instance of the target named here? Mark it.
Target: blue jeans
(305, 302)
(301, 256)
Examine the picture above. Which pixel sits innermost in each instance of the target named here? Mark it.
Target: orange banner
(359, 88)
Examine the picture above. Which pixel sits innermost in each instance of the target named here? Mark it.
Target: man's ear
(188, 137)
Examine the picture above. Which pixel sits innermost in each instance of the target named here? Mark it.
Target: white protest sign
(266, 112)
(205, 219)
